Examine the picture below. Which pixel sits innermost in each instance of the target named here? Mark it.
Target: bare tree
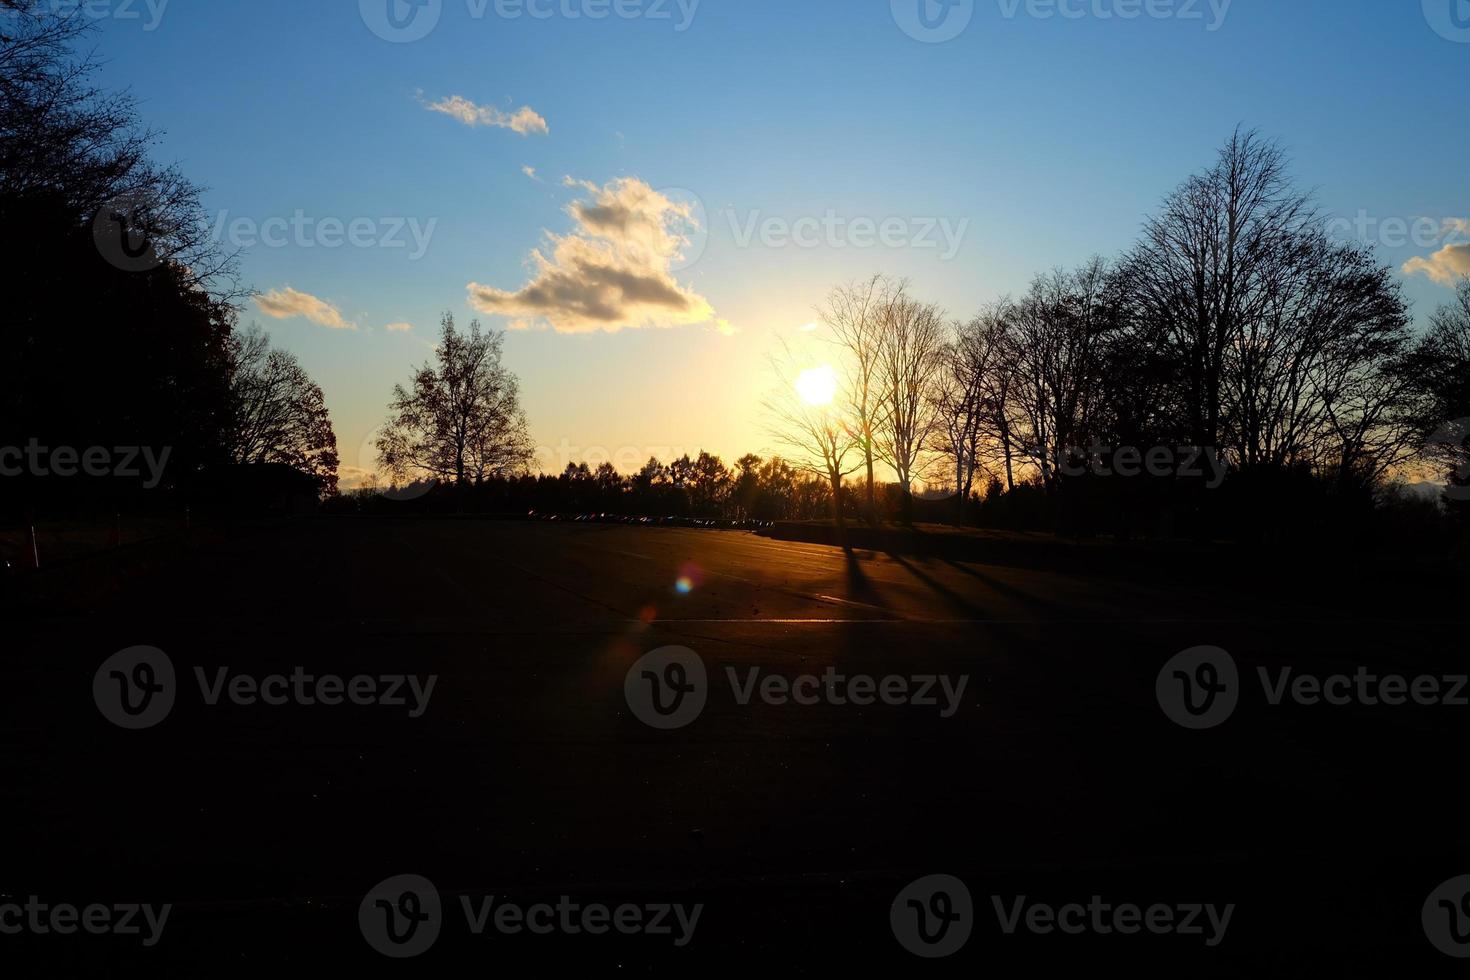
(1287, 347)
(460, 420)
(996, 438)
(1207, 265)
(1059, 327)
(1441, 366)
(277, 413)
(968, 364)
(854, 314)
(817, 439)
(69, 142)
(909, 361)
(1311, 377)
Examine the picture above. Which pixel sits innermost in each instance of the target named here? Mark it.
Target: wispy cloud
(1446, 267)
(614, 270)
(282, 304)
(400, 327)
(524, 120)
(530, 171)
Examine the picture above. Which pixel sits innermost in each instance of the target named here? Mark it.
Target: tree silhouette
(459, 419)
(278, 414)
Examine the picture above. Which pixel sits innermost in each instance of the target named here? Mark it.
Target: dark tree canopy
(120, 308)
(460, 418)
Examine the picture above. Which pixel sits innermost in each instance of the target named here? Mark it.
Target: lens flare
(690, 578)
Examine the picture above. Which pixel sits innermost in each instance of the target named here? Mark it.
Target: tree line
(1237, 373)
(122, 320)
(1236, 325)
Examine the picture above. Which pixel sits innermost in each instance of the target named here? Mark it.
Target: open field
(1056, 774)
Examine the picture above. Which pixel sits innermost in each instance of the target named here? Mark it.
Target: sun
(817, 386)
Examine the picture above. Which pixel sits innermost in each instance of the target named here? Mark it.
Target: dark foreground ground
(528, 777)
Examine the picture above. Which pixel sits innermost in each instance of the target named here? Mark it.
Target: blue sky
(1044, 139)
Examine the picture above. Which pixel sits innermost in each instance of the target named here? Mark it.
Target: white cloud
(1446, 267)
(524, 120)
(400, 327)
(614, 270)
(531, 172)
(282, 304)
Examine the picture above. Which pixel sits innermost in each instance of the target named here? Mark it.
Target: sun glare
(817, 386)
